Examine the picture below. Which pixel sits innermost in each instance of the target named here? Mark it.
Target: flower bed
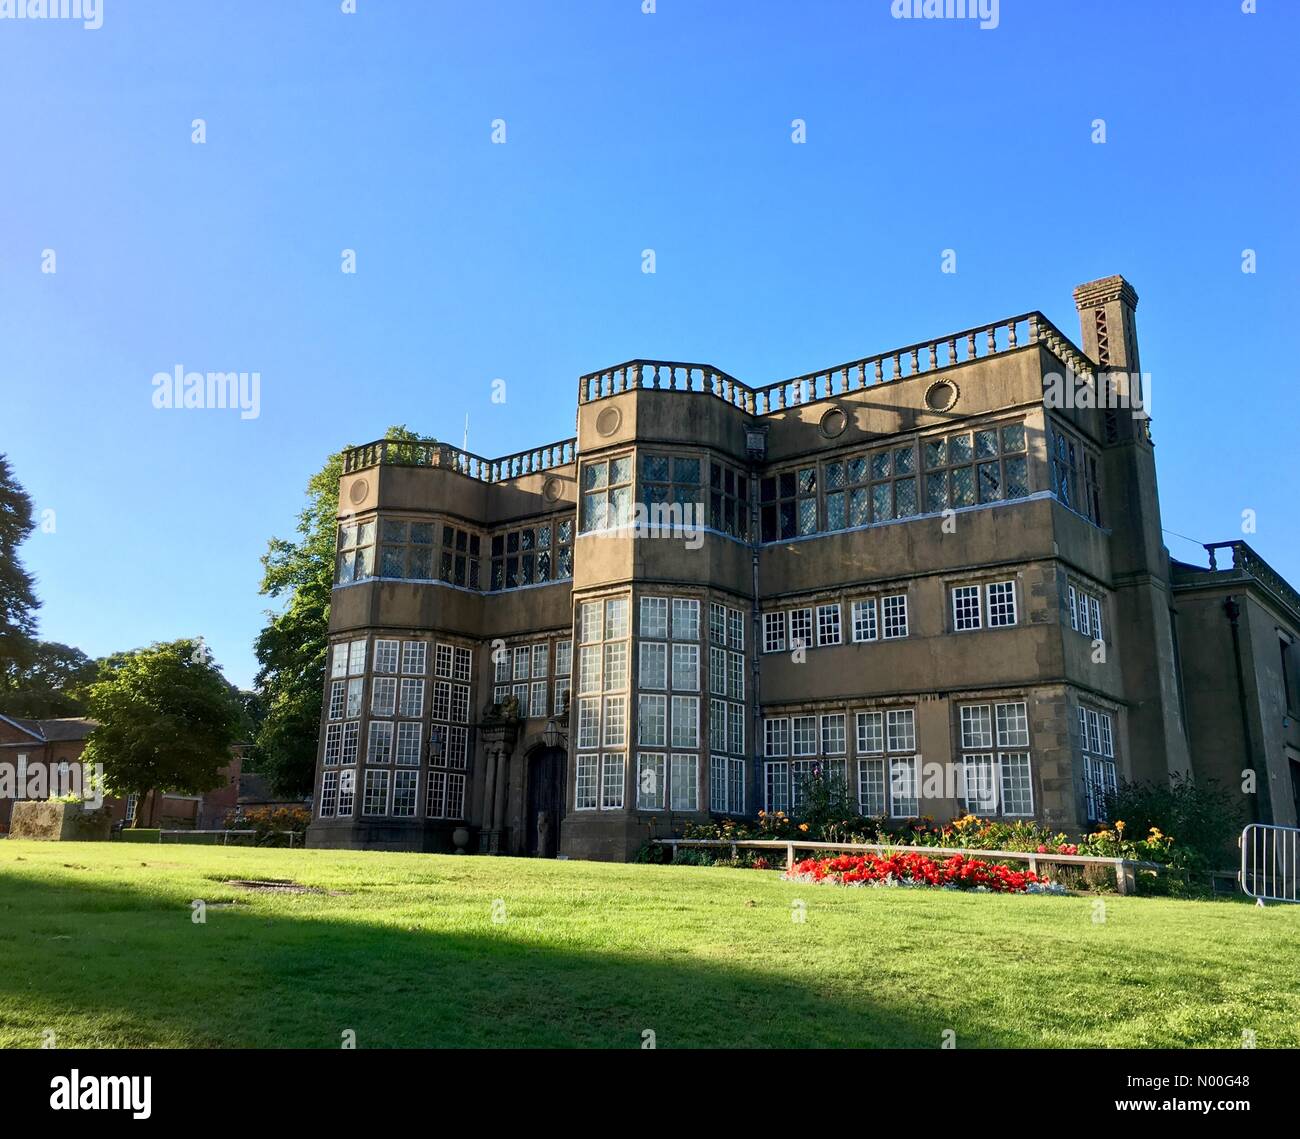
(968, 832)
(908, 868)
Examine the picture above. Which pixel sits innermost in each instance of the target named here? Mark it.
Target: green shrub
(1201, 817)
(652, 853)
(139, 834)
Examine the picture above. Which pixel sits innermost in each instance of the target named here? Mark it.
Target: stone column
(498, 736)
(499, 813)
(489, 781)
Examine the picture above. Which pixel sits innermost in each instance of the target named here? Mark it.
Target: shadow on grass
(110, 965)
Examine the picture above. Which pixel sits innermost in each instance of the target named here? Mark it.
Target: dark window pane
(963, 487)
(392, 561)
(836, 515)
(1017, 472)
(858, 514)
(391, 531)
(787, 520)
(498, 545)
(654, 468)
(882, 502)
(526, 570)
(421, 564)
(766, 489)
(770, 533)
(787, 484)
(686, 471)
(905, 496)
(990, 482)
(936, 493)
(1013, 437)
(525, 539)
(880, 465)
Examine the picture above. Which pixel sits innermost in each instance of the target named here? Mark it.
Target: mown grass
(97, 944)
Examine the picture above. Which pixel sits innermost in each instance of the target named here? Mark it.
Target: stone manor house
(924, 561)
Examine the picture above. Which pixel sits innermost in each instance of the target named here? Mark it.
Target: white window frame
(897, 621)
(774, 632)
(613, 780)
(1005, 609)
(859, 611)
(684, 793)
(652, 780)
(829, 630)
(966, 608)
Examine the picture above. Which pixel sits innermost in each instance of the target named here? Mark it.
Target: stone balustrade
(1246, 563)
(898, 364)
(431, 453)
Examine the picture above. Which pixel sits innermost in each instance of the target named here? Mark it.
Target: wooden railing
(431, 453)
(904, 363)
(1125, 869)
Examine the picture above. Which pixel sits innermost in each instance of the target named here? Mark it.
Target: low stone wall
(55, 821)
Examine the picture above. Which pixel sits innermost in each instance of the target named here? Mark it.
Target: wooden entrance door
(544, 803)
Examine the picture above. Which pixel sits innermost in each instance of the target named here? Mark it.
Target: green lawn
(97, 944)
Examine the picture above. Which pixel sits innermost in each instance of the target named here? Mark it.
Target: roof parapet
(923, 358)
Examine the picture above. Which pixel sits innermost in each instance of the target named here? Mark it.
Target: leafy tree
(50, 682)
(291, 648)
(17, 597)
(167, 718)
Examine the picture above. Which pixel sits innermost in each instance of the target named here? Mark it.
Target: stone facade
(923, 571)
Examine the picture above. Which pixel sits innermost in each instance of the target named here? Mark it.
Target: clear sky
(372, 131)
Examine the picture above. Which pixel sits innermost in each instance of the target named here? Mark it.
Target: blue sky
(625, 131)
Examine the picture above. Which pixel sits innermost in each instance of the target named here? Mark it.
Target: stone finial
(1103, 291)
